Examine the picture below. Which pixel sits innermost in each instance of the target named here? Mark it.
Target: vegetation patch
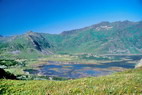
(128, 83)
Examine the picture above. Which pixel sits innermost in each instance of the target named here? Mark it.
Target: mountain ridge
(121, 37)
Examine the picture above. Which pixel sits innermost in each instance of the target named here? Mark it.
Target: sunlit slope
(128, 83)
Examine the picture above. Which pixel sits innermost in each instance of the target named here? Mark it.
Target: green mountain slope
(27, 45)
(105, 38)
(121, 37)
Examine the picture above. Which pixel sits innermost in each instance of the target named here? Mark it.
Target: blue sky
(55, 16)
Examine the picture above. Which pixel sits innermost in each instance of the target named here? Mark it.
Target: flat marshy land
(79, 66)
(77, 73)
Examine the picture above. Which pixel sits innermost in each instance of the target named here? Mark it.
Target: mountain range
(120, 37)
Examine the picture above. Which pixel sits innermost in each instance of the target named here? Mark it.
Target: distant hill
(121, 37)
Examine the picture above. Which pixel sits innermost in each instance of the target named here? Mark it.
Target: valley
(70, 47)
(76, 66)
(100, 58)
(102, 48)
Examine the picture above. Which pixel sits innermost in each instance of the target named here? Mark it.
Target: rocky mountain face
(121, 37)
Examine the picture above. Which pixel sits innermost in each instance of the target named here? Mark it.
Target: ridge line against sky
(56, 16)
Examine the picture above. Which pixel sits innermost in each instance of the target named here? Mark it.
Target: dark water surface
(84, 70)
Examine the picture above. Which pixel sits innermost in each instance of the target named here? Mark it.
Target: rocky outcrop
(6, 75)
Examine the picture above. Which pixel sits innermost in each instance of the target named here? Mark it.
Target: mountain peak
(29, 32)
(104, 23)
(124, 22)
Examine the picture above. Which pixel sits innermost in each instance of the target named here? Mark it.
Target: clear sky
(55, 16)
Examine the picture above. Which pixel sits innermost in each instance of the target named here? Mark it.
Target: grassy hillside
(29, 45)
(124, 83)
(103, 38)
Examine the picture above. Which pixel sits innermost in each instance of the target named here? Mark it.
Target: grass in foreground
(123, 83)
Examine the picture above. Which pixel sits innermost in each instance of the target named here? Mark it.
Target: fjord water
(58, 69)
